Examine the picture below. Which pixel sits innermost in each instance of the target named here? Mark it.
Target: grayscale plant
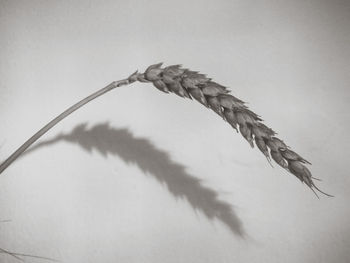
(192, 84)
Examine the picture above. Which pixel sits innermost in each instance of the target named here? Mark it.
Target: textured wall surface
(141, 176)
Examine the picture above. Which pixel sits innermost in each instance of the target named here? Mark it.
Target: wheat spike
(191, 84)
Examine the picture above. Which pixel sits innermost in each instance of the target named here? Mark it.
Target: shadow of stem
(151, 160)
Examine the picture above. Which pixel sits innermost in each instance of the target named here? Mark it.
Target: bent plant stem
(60, 117)
(194, 85)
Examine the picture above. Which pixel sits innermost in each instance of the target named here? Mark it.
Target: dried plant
(192, 84)
(21, 256)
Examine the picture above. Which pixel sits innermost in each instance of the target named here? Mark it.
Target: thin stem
(19, 255)
(60, 117)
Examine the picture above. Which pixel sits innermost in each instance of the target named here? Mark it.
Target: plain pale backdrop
(166, 180)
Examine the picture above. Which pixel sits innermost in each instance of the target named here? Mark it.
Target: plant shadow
(142, 152)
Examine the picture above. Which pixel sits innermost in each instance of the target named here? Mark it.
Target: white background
(156, 178)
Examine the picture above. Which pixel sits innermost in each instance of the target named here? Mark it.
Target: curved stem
(60, 117)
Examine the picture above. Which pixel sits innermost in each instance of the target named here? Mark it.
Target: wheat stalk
(192, 84)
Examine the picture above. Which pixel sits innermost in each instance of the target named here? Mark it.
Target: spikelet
(191, 84)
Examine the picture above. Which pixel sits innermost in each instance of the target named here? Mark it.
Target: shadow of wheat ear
(192, 84)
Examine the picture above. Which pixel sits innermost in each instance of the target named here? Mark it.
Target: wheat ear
(192, 84)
